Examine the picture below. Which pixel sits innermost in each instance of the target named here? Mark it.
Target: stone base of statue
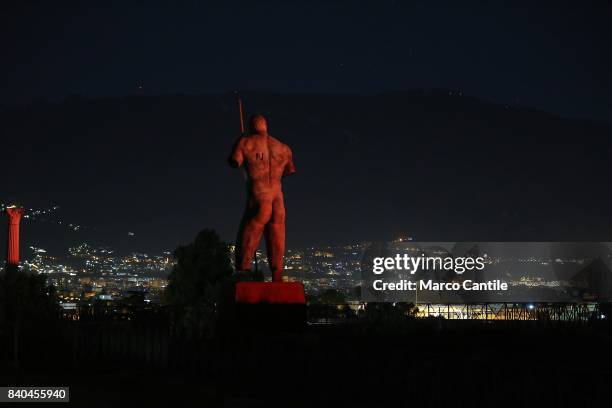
(269, 306)
(273, 293)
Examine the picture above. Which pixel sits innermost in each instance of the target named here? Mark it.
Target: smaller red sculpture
(12, 253)
(266, 160)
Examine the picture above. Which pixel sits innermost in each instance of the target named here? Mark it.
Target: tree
(27, 307)
(390, 313)
(197, 281)
(332, 297)
(330, 304)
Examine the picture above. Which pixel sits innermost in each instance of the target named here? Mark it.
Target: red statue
(266, 160)
(12, 251)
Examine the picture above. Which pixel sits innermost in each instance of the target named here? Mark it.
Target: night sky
(551, 56)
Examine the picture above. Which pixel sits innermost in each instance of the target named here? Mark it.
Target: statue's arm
(236, 157)
(290, 166)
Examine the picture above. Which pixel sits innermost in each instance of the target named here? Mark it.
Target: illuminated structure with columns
(12, 253)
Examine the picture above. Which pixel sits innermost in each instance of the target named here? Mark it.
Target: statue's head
(259, 124)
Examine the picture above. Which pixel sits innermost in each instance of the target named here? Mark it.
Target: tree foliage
(25, 297)
(331, 297)
(29, 311)
(196, 283)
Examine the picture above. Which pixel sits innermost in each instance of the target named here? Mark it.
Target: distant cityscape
(87, 274)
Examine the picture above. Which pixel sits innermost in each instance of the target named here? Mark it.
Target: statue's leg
(275, 238)
(255, 218)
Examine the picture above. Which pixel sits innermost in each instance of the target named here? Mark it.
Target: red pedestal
(283, 293)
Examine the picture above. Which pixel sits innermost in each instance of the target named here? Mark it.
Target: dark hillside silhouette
(436, 165)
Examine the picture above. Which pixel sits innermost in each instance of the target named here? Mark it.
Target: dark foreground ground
(417, 364)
